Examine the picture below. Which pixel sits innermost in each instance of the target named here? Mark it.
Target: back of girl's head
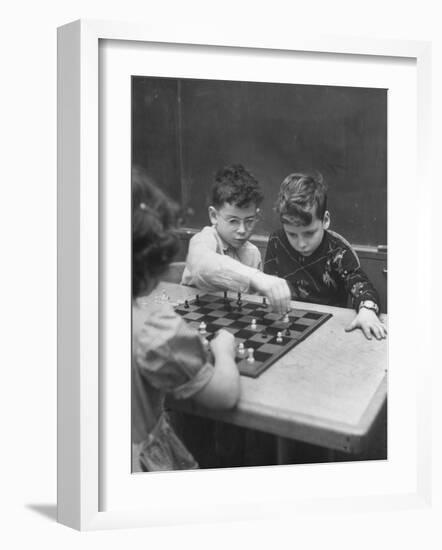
(154, 240)
(236, 186)
(301, 197)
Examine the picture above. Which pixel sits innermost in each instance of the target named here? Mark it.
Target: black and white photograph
(259, 274)
(221, 275)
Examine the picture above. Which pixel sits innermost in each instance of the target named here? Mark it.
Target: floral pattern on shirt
(330, 276)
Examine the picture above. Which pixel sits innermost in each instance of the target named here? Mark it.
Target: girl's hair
(154, 240)
(236, 186)
(301, 197)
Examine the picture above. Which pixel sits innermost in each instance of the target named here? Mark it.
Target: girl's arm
(223, 389)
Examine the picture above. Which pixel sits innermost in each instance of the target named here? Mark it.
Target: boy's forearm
(357, 284)
(361, 289)
(211, 269)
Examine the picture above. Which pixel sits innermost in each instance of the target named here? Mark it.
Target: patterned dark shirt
(329, 276)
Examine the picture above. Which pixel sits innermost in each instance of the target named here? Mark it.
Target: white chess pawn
(253, 325)
(250, 358)
(286, 318)
(202, 328)
(241, 349)
(279, 337)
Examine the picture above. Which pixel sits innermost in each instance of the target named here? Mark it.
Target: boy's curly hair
(301, 197)
(154, 241)
(235, 185)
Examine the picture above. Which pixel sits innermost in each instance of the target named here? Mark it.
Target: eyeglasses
(235, 223)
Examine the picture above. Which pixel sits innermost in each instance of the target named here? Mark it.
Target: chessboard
(254, 326)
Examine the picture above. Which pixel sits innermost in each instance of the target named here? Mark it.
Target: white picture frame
(79, 295)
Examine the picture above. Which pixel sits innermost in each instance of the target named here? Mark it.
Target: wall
(184, 130)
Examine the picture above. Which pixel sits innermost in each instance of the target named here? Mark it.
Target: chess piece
(264, 302)
(202, 327)
(197, 300)
(253, 325)
(186, 304)
(286, 318)
(279, 338)
(241, 349)
(250, 355)
(287, 331)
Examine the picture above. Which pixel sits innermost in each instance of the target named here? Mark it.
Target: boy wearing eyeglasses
(220, 256)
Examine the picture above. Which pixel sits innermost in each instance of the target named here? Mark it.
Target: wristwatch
(369, 304)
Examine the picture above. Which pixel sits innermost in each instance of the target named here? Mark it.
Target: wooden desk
(328, 390)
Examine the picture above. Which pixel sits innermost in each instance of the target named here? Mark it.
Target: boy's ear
(212, 215)
(326, 221)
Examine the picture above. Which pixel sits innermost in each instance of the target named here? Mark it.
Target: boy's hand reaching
(275, 289)
(369, 323)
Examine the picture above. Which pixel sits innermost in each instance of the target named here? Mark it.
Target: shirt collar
(224, 247)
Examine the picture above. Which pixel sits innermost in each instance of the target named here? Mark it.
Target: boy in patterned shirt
(319, 265)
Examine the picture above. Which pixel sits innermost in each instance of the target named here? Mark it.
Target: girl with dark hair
(168, 355)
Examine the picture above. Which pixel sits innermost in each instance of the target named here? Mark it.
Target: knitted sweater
(329, 276)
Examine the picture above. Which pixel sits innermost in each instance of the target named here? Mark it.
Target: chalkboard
(155, 131)
(185, 129)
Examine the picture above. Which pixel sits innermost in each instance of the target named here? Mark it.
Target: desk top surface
(333, 382)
